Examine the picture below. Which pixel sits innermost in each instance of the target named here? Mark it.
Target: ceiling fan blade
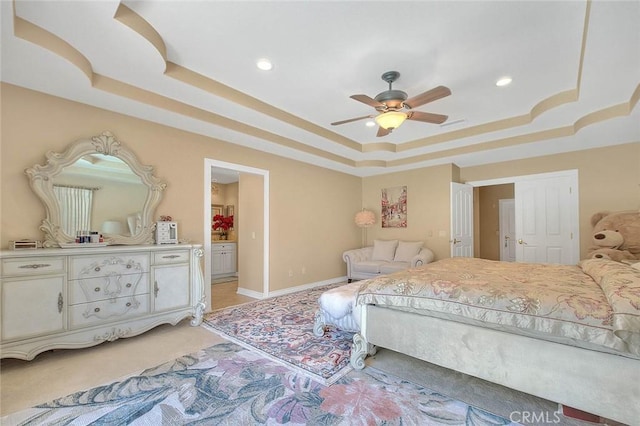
(337, 123)
(428, 96)
(427, 117)
(367, 100)
(382, 132)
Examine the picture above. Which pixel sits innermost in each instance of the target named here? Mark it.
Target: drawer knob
(128, 266)
(97, 269)
(128, 285)
(96, 310)
(171, 256)
(128, 304)
(97, 289)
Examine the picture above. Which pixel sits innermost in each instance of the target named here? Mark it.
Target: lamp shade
(391, 119)
(365, 219)
(113, 227)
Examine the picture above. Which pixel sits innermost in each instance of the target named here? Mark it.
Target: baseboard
(307, 286)
(223, 279)
(250, 293)
(258, 295)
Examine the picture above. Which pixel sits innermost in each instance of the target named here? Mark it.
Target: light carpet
(230, 385)
(282, 328)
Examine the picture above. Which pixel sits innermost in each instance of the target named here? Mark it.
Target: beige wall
(251, 241)
(609, 179)
(428, 206)
(311, 208)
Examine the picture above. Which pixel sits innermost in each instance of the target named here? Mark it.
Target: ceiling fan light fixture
(391, 120)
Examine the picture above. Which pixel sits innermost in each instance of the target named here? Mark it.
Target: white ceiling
(575, 67)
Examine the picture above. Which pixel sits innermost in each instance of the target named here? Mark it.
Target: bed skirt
(596, 382)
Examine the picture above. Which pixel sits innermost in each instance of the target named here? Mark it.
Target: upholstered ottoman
(338, 308)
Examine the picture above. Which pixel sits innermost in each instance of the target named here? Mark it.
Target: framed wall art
(394, 207)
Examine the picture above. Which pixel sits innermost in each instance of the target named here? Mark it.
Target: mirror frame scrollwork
(41, 181)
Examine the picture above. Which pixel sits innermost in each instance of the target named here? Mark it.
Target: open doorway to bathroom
(236, 234)
(225, 184)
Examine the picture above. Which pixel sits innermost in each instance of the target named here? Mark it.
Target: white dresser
(223, 259)
(79, 297)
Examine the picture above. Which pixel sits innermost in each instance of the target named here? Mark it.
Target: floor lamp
(365, 219)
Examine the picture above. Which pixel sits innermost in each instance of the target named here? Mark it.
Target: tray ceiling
(191, 65)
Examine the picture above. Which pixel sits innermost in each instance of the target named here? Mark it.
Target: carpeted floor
(282, 328)
(232, 385)
(229, 385)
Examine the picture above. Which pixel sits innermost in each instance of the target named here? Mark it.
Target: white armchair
(385, 257)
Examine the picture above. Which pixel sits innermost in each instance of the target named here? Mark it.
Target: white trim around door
(208, 164)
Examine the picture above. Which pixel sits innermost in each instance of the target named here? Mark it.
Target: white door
(546, 220)
(461, 220)
(507, 217)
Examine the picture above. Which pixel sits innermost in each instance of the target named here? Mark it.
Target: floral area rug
(230, 385)
(282, 328)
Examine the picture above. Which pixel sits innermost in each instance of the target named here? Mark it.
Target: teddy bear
(618, 231)
(612, 254)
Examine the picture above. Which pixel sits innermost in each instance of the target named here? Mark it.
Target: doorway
(251, 219)
(491, 218)
(546, 216)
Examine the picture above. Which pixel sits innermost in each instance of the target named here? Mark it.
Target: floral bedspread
(597, 301)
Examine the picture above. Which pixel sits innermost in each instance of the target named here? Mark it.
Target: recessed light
(370, 123)
(504, 81)
(264, 64)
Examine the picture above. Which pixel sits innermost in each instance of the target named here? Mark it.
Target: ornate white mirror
(97, 184)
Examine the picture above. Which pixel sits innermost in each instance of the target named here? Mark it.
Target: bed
(566, 333)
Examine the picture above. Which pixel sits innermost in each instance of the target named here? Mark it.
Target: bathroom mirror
(97, 184)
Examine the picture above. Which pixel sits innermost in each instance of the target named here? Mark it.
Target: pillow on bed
(406, 250)
(384, 250)
(621, 285)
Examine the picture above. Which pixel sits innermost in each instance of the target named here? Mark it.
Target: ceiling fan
(391, 103)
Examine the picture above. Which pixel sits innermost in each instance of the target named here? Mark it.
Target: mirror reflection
(101, 193)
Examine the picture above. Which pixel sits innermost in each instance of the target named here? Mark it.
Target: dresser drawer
(164, 257)
(86, 314)
(223, 247)
(86, 267)
(33, 266)
(107, 288)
